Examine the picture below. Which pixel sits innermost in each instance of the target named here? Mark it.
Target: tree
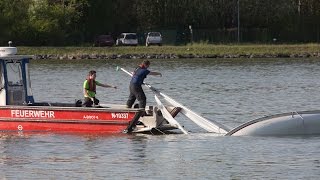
(13, 20)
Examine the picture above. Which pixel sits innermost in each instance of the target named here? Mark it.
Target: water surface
(230, 91)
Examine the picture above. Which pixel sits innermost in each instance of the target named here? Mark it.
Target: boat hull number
(120, 115)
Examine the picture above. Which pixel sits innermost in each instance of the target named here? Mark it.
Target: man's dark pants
(136, 92)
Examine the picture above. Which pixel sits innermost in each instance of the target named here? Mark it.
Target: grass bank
(199, 49)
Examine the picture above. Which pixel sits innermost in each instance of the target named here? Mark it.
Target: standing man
(136, 91)
(89, 89)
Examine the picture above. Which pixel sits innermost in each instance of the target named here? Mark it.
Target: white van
(130, 39)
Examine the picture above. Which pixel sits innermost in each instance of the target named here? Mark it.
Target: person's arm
(108, 86)
(155, 73)
(105, 85)
(85, 93)
(85, 89)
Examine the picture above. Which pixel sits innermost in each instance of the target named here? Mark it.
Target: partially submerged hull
(286, 124)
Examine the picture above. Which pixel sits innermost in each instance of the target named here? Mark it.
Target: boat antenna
(10, 42)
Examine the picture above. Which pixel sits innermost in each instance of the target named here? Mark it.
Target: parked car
(154, 38)
(130, 39)
(104, 40)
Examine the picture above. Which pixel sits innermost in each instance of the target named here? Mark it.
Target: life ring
(20, 128)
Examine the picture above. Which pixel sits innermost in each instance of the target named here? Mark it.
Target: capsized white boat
(286, 124)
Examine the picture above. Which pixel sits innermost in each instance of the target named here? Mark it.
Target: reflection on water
(230, 91)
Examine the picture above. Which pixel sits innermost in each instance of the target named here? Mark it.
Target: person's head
(92, 74)
(145, 63)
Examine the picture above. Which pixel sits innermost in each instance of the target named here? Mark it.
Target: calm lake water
(230, 91)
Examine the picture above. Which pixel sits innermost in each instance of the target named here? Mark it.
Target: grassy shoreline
(195, 49)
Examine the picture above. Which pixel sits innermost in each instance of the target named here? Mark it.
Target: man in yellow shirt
(89, 89)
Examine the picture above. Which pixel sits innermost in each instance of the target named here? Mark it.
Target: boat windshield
(14, 74)
(1, 78)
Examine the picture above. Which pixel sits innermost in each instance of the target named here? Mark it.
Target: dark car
(104, 40)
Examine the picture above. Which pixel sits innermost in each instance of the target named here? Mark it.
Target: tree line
(78, 22)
